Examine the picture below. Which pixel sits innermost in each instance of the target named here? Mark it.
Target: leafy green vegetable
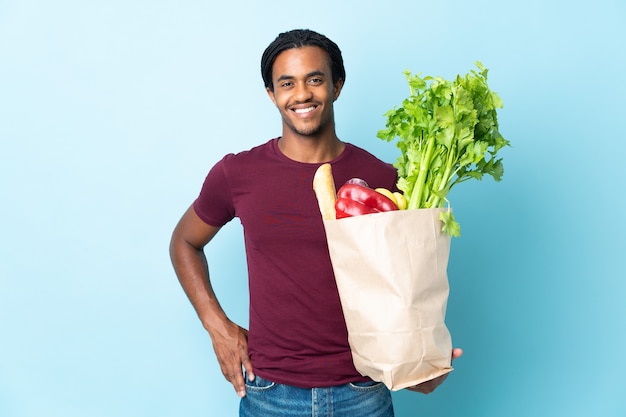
(447, 133)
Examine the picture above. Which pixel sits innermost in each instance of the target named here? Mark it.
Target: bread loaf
(324, 187)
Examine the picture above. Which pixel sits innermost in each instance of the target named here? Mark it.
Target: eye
(316, 81)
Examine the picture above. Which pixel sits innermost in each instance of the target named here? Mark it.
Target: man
(296, 359)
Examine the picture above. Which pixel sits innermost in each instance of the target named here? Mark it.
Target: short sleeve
(214, 204)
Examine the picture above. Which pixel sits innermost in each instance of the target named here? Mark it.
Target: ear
(337, 89)
(270, 93)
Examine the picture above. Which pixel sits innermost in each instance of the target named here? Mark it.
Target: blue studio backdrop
(111, 114)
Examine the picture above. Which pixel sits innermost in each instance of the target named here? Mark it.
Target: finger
(457, 353)
(238, 383)
(244, 361)
(243, 353)
(233, 374)
(247, 365)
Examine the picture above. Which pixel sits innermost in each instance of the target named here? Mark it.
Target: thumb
(457, 353)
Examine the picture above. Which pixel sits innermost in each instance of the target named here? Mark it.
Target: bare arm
(230, 341)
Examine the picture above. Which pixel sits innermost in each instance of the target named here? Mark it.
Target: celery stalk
(447, 133)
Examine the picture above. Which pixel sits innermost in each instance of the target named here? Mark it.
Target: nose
(303, 92)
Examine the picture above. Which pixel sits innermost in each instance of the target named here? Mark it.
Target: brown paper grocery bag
(391, 272)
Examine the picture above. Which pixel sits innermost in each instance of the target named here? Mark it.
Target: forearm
(190, 265)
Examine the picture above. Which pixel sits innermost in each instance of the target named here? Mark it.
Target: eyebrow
(309, 75)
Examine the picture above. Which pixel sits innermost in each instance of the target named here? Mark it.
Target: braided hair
(298, 38)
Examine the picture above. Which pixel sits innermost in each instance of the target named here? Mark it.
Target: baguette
(324, 187)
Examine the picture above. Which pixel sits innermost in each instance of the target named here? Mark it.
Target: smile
(304, 110)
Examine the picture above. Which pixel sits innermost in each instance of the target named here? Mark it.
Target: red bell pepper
(355, 199)
(348, 208)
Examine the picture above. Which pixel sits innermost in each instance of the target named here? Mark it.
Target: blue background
(111, 113)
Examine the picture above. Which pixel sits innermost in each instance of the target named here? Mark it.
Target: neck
(311, 149)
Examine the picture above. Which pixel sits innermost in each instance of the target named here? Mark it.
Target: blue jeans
(268, 399)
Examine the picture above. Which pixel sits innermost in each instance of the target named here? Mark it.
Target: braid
(296, 39)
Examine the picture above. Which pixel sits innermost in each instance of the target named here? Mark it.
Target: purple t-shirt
(297, 333)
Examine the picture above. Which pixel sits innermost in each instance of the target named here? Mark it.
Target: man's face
(304, 91)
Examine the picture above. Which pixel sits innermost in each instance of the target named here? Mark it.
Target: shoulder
(246, 158)
(254, 152)
(358, 154)
(359, 163)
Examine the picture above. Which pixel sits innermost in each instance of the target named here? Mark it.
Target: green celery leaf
(450, 226)
(447, 133)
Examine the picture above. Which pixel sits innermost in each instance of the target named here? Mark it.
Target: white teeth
(308, 109)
